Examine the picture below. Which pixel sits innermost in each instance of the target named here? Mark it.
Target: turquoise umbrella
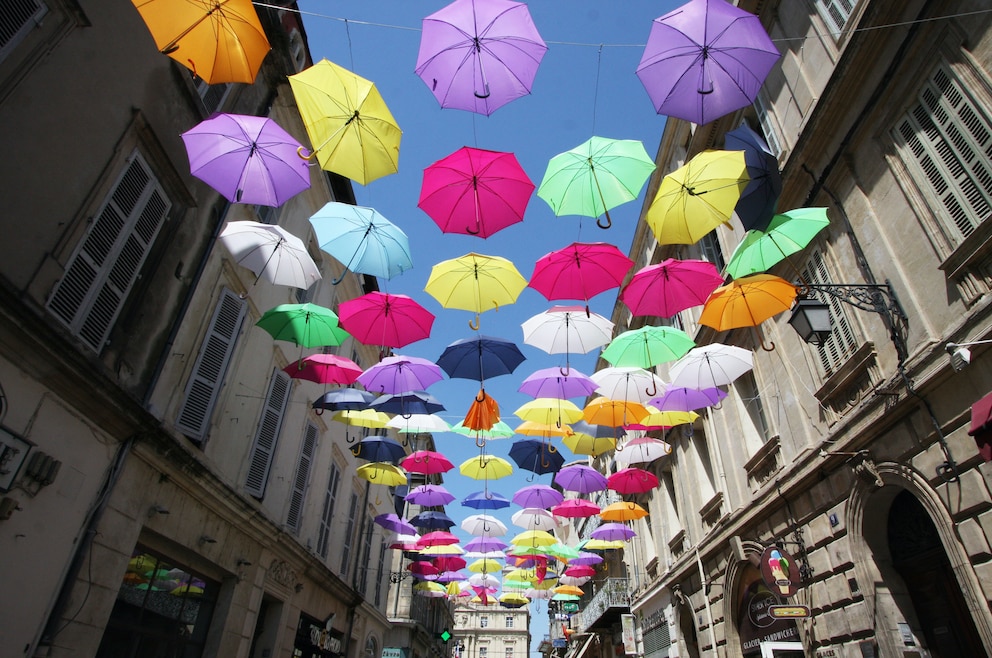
(787, 233)
(362, 239)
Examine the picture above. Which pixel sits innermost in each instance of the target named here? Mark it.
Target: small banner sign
(789, 611)
(779, 571)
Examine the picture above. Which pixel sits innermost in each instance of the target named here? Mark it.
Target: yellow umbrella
(581, 443)
(569, 589)
(218, 41)
(602, 545)
(514, 599)
(549, 411)
(530, 428)
(362, 418)
(476, 283)
(657, 418)
(485, 467)
(623, 511)
(442, 550)
(485, 565)
(453, 589)
(534, 538)
(528, 575)
(382, 473)
(697, 197)
(351, 129)
(613, 413)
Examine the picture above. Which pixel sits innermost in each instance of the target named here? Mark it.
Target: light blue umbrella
(362, 239)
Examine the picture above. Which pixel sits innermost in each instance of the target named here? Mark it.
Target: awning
(981, 426)
(581, 646)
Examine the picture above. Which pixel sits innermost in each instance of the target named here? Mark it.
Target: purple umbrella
(485, 500)
(586, 559)
(687, 399)
(247, 159)
(612, 532)
(479, 56)
(429, 495)
(486, 544)
(450, 577)
(579, 478)
(538, 495)
(399, 374)
(705, 59)
(557, 383)
(394, 523)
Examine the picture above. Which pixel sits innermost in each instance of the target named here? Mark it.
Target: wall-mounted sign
(568, 606)
(393, 652)
(627, 631)
(559, 643)
(779, 571)
(789, 611)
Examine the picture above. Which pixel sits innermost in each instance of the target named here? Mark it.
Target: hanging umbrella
(361, 418)
(530, 428)
(306, 325)
(664, 289)
(575, 508)
(430, 590)
(427, 462)
(407, 404)
(711, 365)
(394, 523)
(697, 197)
(382, 473)
(362, 240)
(580, 571)
(555, 383)
(478, 56)
(342, 399)
(379, 449)
(626, 383)
(485, 467)
(623, 511)
(648, 346)
(759, 198)
(539, 594)
(324, 369)
(705, 59)
(401, 374)
(632, 481)
(422, 568)
(613, 413)
(486, 544)
(613, 532)
(585, 558)
(499, 430)
(534, 538)
(537, 495)
(747, 302)
(580, 479)
(485, 500)
(247, 159)
(351, 129)
(453, 563)
(475, 283)
(549, 411)
(595, 177)
(270, 251)
(569, 590)
(219, 42)
(484, 580)
(642, 450)
(567, 330)
(576, 581)
(422, 424)
(580, 271)
(379, 318)
(534, 518)
(785, 235)
(438, 522)
(475, 192)
(584, 441)
(602, 545)
(536, 456)
(428, 495)
(406, 543)
(687, 399)
(483, 525)
(482, 414)
(657, 420)
(513, 601)
(441, 550)
(480, 358)
(437, 538)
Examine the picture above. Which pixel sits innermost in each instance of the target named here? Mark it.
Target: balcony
(611, 599)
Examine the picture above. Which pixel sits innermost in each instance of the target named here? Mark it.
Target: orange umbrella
(747, 302)
(613, 413)
(483, 414)
(569, 589)
(623, 511)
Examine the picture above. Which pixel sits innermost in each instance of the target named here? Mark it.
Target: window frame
(327, 513)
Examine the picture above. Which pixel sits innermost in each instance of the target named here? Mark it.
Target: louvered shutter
(349, 534)
(328, 512)
(841, 343)
(107, 262)
(17, 19)
(211, 364)
(836, 12)
(264, 447)
(302, 478)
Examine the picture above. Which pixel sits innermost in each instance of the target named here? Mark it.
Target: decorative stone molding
(711, 512)
(677, 544)
(865, 468)
(282, 573)
(846, 388)
(764, 463)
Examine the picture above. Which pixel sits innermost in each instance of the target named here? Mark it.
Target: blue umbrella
(432, 521)
(536, 456)
(342, 399)
(362, 239)
(485, 500)
(407, 404)
(758, 200)
(480, 357)
(379, 449)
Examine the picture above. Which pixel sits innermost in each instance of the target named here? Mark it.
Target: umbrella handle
(355, 450)
(474, 324)
(340, 278)
(769, 348)
(319, 411)
(608, 224)
(566, 371)
(531, 477)
(302, 152)
(481, 396)
(654, 392)
(348, 438)
(478, 444)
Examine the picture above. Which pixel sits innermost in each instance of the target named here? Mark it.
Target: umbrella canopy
(422, 568)
(361, 418)
(662, 419)
(613, 532)
(394, 523)
(247, 159)
(569, 590)
(499, 430)
(595, 177)
(536, 456)
(476, 283)
(427, 462)
(535, 518)
(585, 558)
(530, 428)
(697, 197)
(379, 449)
(485, 467)
(549, 411)
(486, 544)
(379, 318)
(453, 563)
(439, 522)
(567, 330)
(382, 473)
(785, 235)
(342, 399)
(557, 383)
(632, 481)
(687, 399)
(483, 525)
(747, 302)
(480, 358)
(613, 413)
(408, 403)
(352, 131)
(664, 289)
(485, 500)
(219, 42)
(484, 580)
(626, 383)
(757, 203)
(642, 450)
(576, 508)
(580, 478)
(711, 365)
(423, 424)
(270, 251)
(537, 495)
(475, 192)
(580, 271)
(362, 240)
(583, 441)
(705, 59)
(648, 346)
(534, 538)
(623, 511)
(306, 325)
(428, 495)
(479, 56)
(401, 374)
(324, 369)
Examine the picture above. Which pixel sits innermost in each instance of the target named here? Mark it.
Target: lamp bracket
(399, 576)
(875, 297)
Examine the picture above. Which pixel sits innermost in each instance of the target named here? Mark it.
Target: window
(349, 534)
(297, 50)
(946, 139)
(364, 566)
(483, 652)
(483, 621)
(17, 19)
(264, 447)
(302, 478)
(380, 572)
(100, 274)
(835, 13)
(207, 376)
(328, 512)
(267, 214)
(161, 609)
(508, 651)
(767, 124)
(752, 412)
(841, 344)
(710, 246)
(509, 621)
(212, 96)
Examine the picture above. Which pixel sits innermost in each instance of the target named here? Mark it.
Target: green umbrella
(499, 430)
(786, 234)
(307, 325)
(562, 552)
(647, 347)
(596, 176)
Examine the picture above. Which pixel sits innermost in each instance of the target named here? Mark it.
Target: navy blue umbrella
(432, 521)
(536, 456)
(341, 399)
(480, 358)
(485, 500)
(379, 449)
(407, 404)
(758, 200)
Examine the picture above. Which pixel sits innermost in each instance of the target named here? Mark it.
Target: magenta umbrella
(681, 398)
(429, 495)
(556, 383)
(478, 56)
(613, 532)
(380, 318)
(580, 271)
(580, 478)
(538, 495)
(400, 374)
(670, 286)
(426, 462)
(475, 192)
(632, 481)
(576, 508)
(247, 159)
(325, 369)
(704, 60)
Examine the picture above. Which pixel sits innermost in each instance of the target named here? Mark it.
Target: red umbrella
(670, 286)
(427, 462)
(325, 369)
(423, 568)
(449, 563)
(380, 318)
(580, 271)
(632, 481)
(475, 192)
(580, 571)
(575, 508)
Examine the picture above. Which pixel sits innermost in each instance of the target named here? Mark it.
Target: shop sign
(779, 571)
(393, 652)
(568, 606)
(559, 643)
(789, 611)
(323, 640)
(627, 630)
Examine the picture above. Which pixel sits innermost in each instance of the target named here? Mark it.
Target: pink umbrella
(437, 538)
(579, 570)
(576, 508)
(580, 271)
(580, 478)
(429, 495)
(555, 383)
(450, 563)
(423, 568)
(687, 399)
(632, 481)
(400, 374)
(475, 192)
(380, 318)
(670, 286)
(325, 369)
(426, 462)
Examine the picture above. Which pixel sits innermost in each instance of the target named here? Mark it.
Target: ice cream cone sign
(780, 572)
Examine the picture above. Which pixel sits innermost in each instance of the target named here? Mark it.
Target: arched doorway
(761, 634)
(687, 632)
(919, 558)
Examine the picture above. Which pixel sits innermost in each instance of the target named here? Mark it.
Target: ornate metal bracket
(877, 298)
(399, 576)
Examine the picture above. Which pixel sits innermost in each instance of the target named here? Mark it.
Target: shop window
(162, 609)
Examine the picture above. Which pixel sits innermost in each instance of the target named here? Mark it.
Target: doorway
(782, 650)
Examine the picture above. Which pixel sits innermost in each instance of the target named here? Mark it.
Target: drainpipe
(706, 601)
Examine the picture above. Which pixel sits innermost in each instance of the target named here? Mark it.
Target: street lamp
(960, 355)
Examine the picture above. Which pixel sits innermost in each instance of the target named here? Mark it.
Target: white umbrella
(710, 366)
(485, 555)
(483, 580)
(483, 525)
(567, 330)
(535, 518)
(418, 423)
(533, 593)
(270, 251)
(628, 384)
(575, 581)
(640, 450)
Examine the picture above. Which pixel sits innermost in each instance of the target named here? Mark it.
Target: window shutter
(107, 262)
(836, 12)
(302, 478)
(17, 19)
(841, 343)
(349, 534)
(767, 127)
(264, 447)
(208, 373)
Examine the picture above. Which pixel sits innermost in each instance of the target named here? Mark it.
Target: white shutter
(107, 261)
(302, 478)
(264, 447)
(17, 18)
(836, 12)
(208, 373)
(841, 343)
(328, 512)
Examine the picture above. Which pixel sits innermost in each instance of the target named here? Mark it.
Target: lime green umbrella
(596, 176)
(306, 325)
(500, 430)
(787, 233)
(562, 552)
(647, 346)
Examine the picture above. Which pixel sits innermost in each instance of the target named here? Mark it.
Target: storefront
(761, 634)
(315, 640)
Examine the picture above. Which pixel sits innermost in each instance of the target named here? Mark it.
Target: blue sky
(586, 85)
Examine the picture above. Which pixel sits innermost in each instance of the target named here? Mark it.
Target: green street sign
(445, 635)
(570, 607)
